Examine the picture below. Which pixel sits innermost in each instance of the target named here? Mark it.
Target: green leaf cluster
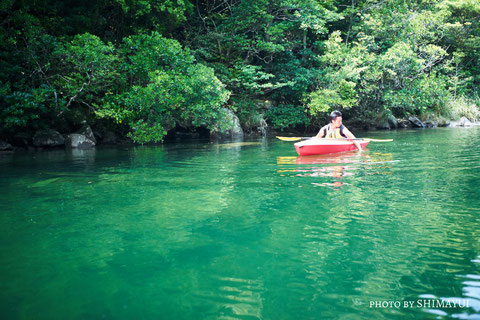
(146, 67)
(285, 116)
(165, 88)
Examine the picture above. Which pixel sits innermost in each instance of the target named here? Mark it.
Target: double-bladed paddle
(306, 138)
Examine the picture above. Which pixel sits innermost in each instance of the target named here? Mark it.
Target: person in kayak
(336, 130)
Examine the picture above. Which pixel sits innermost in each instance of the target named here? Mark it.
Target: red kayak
(323, 146)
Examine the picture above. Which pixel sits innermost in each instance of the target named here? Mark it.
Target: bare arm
(348, 133)
(320, 133)
(351, 136)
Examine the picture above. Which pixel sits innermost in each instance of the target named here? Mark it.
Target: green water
(243, 230)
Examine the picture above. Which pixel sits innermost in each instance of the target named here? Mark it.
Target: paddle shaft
(350, 139)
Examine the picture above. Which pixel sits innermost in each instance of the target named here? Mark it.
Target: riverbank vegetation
(146, 68)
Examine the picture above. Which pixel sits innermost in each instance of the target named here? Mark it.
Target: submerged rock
(76, 140)
(48, 138)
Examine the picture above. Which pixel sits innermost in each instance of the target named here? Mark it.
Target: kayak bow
(325, 146)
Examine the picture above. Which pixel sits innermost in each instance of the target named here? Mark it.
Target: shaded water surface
(244, 231)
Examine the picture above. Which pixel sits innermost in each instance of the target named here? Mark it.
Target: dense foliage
(146, 67)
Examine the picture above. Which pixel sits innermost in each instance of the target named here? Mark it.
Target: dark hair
(334, 115)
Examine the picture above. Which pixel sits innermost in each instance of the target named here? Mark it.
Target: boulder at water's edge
(232, 122)
(416, 123)
(76, 140)
(48, 138)
(4, 146)
(87, 132)
(464, 122)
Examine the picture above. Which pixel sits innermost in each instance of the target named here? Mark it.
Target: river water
(244, 230)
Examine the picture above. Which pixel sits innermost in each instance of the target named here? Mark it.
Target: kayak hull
(319, 146)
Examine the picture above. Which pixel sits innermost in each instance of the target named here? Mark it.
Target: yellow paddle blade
(289, 138)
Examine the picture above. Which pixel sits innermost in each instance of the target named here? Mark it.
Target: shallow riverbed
(244, 230)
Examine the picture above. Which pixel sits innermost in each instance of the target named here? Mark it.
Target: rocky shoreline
(86, 138)
(414, 122)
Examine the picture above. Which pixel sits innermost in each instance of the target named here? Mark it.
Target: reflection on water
(240, 298)
(242, 230)
(336, 166)
(466, 306)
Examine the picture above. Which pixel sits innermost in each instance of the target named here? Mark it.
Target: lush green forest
(145, 68)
